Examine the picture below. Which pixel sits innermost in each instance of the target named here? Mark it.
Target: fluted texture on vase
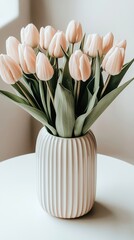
(66, 169)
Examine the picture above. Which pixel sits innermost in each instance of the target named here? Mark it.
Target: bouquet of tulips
(58, 78)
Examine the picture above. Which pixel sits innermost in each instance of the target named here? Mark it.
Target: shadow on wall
(49, 12)
(15, 124)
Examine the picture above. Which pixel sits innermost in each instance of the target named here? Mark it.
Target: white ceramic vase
(66, 170)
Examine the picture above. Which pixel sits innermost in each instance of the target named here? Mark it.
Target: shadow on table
(98, 211)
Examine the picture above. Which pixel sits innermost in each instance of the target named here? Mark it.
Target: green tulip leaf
(97, 73)
(34, 112)
(18, 91)
(48, 103)
(31, 80)
(84, 101)
(42, 95)
(65, 53)
(82, 42)
(64, 107)
(13, 97)
(81, 119)
(102, 105)
(101, 86)
(53, 82)
(27, 94)
(115, 80)
(66, 78)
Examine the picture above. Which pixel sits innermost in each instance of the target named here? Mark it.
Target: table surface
(22, 218)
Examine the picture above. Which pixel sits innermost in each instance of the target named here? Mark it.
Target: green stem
(72, 47)
(51, 96)
(78, 90)
(57, 68)
(106, 84)
(42, 96)
(26, 95)
(75, 88)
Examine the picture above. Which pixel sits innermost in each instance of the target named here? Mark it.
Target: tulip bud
(107, 42)
(58, 41)
(93, 45)
(113, 61)
(27, 58)
(74, 32)
(79, 66)
(46, 35)
(44, 69)
(30, 35)
(122, 44)
(12, 48)
(10, 71)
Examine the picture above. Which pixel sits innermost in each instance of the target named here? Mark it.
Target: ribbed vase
(66, 172)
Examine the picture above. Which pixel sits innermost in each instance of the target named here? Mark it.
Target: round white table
(22, 218)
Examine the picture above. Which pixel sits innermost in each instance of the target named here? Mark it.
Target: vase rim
(89, 132)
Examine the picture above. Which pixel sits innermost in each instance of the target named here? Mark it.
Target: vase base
(71, 217)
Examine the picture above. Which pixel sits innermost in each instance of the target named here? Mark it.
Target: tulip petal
(107, 56)
(30, 35)
(12, 48)
(114, 62)
(87, 43)
(21, 58)
(93, 45)
(30, 59)
(85, 67)
(10, 71)
(74, 67)
(107, 42)
(56, 43)
(22, 35)
(74, 32)
(41, 37)
(46, 35)
(5, 73)
(122, 44)
(44, 70)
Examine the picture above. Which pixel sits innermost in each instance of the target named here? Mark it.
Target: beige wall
(114, 130)
(15, 124)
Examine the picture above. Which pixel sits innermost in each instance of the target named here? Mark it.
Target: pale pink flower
(74, 32)
(44, 69)
(10, 71)
(93, 45)
(107, 42)
(30, 35)
(58, 41)
(46, 35)
(79, 66)
(27, 58)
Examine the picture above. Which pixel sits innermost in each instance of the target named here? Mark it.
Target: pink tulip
(46, 35)
(27, 58)
(107, 42)
(74, 32)
(79, 66)
(93, 45)
(12, 48)
(44, 69)
(30, 35)
(113, 61)
(58, 41)
(122, 44)
(10, 71)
